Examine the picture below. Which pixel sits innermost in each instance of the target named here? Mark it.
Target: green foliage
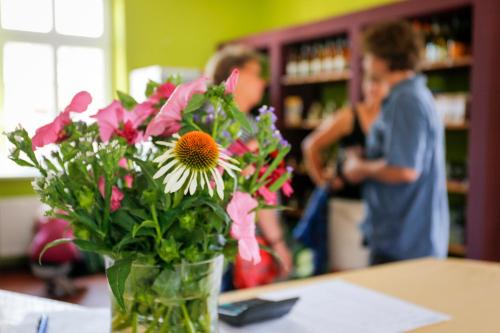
(80, 180)
(127, 101)
(117, 275)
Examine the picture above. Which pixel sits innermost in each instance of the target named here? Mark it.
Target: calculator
(254, 310)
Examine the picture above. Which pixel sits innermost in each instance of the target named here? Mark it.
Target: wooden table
(467, 290)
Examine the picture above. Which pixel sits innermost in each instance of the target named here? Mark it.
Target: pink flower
(109, 119)
(271, 198)
(54, 131)
(238, 148)
(164, 91)
(232, 81)
(123, 163)
(168, 120)
(115, 119)
(116, 195)
(243, 227)
(51, 133)
(79, 103)
(287, 189)
(129, 180)
(140, 113)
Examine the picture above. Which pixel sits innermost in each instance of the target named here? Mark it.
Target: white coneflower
(192, 160)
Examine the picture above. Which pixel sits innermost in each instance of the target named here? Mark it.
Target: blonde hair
(221, 64)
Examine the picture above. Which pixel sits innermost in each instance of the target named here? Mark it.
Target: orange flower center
(197, 150)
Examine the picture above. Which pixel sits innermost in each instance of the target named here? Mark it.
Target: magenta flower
(79, 103)
(115, 119)
(116, 195)
(243, 228)
(238, 148)
(232, 81)
(164, 91)
(54, 131)
(129, 180)
(287, 189)
(123, 163)
(168, 120)
(271, 198)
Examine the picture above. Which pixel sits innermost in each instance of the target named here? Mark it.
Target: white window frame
(54, 39)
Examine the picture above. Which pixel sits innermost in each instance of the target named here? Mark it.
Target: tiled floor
(94, 291)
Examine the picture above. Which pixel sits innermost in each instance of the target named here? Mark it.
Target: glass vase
(182, 298)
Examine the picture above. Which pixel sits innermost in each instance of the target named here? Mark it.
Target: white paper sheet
(74, 321)
(20, 314)
(339, 306)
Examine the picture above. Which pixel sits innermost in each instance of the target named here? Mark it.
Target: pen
(42, 324)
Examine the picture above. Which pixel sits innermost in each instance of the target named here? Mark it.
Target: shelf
(457, 127)
(457, 187)
(317, 78)
(458, 250)
(446, 64)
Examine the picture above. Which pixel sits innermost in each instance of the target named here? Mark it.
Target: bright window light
(79, 17)
(26, 15)
(81, 68)
(28, 77)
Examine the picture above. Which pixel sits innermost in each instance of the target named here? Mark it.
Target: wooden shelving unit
(482, 129)
(447, 64)
(318, 78)
(457, 127)
(457, 187)
(458, 250)
(449, 127)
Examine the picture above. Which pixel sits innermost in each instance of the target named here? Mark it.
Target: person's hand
(353, 170)
(283, 253)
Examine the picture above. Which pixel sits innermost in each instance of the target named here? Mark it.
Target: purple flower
(284, 143)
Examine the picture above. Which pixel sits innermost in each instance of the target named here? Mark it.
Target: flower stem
(189, 323)
(166, 321)
(157, 225)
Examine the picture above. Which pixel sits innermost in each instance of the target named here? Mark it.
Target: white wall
(17, 218)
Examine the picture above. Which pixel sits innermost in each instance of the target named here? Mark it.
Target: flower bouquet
(163, 189)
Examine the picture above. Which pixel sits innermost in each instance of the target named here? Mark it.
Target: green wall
(15, 187)
(185, 34)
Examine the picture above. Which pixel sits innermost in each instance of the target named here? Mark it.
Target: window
(49, 50)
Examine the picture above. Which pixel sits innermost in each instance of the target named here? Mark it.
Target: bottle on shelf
(305, 60)
(327, 64)
(339, 62)
(293, 111)
(292, 63)
(315, 66)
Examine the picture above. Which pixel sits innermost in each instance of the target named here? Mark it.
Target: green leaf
(89, 246)
(151, 87)
(240, 117)
(279, 182)
(86, 221)
(117, 275)
(127, 101)
(122, 218)
(167, 283)
(144, 224)
(178, 198)
(281, 154)
(196, 102)
(51, 245)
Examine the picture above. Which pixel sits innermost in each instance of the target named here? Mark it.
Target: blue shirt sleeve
(406, 143)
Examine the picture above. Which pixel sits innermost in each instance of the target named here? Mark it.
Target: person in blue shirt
(403, 168)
